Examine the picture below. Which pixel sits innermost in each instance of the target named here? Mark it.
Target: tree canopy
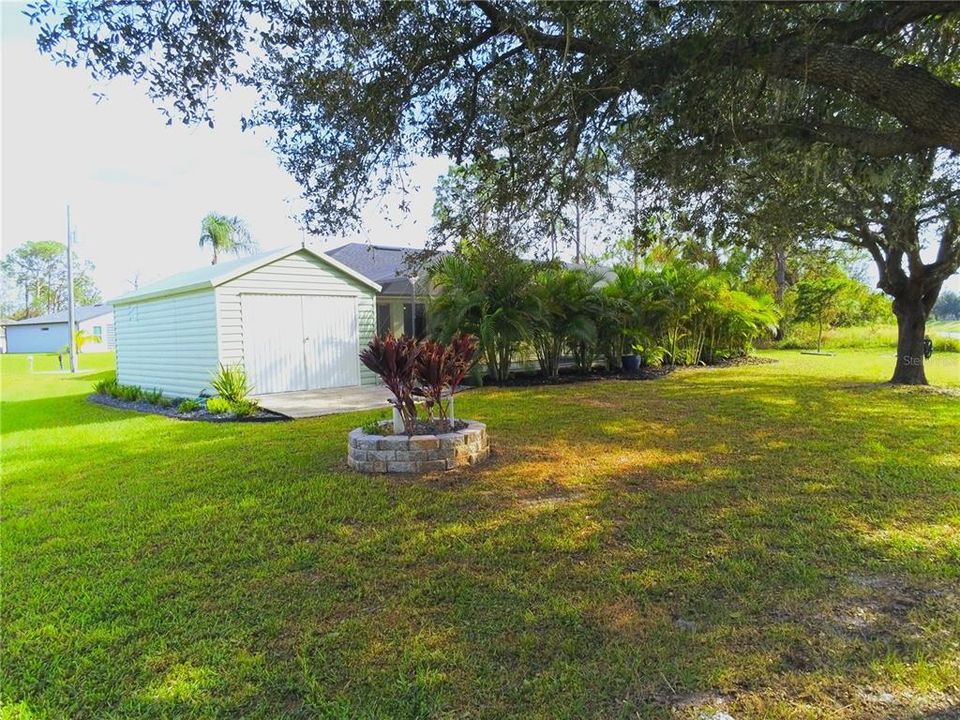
(354, 89)
(38, 270)
(696, 98)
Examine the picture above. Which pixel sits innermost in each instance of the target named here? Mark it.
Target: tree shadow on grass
(624, 552)
(57, 412)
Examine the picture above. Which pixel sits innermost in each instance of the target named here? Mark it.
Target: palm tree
(226, 234)
(484, 292)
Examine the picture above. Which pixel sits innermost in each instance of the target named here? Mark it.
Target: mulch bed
(171, 412)
(569, 375)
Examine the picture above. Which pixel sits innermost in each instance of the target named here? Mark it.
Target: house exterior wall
(37, 339)
(106, 325)
(296, 274)
(34, 338)
(168, 343)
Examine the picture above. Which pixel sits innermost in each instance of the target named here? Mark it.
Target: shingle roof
(81, 313)
(213, 275)
(389, 266)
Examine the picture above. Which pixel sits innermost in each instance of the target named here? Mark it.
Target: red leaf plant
(464, 353)
(424, 369)
(434, 369)
(395, 361)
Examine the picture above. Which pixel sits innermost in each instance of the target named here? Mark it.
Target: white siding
(105, 323)
(297, 274)
(169, 343)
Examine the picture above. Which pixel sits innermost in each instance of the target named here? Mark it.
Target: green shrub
(373, 427)
(127, 393)
(650, 355)
(802, 336)
(244, 408)
(231, 383)
(105, 386)
(188, 406)
(154, 397)
(943, 344)
(218, 406)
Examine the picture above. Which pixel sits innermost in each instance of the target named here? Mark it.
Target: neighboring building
(296, 319)
(391, 268)
(49, 334)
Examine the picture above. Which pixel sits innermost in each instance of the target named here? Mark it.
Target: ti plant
(426, 369)
(434, 366)
(395, 361)
(463, 355)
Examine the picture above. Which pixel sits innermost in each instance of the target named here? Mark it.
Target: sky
(138, 188)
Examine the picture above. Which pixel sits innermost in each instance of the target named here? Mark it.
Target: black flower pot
(630, 363)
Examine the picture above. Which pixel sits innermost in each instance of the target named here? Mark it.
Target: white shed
(295, 319)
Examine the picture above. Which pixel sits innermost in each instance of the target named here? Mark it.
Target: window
(98, 333)
(383, 318)
(421, 321)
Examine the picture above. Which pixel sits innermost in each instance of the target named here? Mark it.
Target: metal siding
(168, 343)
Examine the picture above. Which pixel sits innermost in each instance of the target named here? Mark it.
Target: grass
(804, 335)
(779, 541)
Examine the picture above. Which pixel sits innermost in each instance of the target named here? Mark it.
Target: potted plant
(630, 362)
(431, 371)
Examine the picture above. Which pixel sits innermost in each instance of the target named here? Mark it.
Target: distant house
(49, 334)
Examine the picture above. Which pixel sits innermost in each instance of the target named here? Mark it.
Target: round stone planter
(418, 453)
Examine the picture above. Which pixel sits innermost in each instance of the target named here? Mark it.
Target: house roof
(211, 276)
(389, 266)
(81, 313)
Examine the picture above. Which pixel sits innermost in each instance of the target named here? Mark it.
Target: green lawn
(777, 541)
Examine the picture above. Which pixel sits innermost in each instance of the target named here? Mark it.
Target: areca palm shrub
(737, 318)
(635, 311)
(567, 303)
(484, 290)
(684, 314)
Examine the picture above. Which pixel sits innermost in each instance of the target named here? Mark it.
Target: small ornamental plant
(426, 369)
(464, 352)
(394, 360)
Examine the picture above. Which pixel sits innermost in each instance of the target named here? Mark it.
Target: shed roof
(211, 276)
(80, 314)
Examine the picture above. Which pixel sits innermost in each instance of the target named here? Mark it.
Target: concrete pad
(326, 401)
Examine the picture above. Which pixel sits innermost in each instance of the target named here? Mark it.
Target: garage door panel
(330, 336)
(273, 342)
(300, 342)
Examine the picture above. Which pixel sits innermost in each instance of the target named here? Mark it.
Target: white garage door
(300, 342)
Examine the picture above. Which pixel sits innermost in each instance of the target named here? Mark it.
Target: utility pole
(71, 323)
(413, 307)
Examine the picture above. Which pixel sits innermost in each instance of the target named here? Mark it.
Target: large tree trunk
(911, 315)
(780, 277)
